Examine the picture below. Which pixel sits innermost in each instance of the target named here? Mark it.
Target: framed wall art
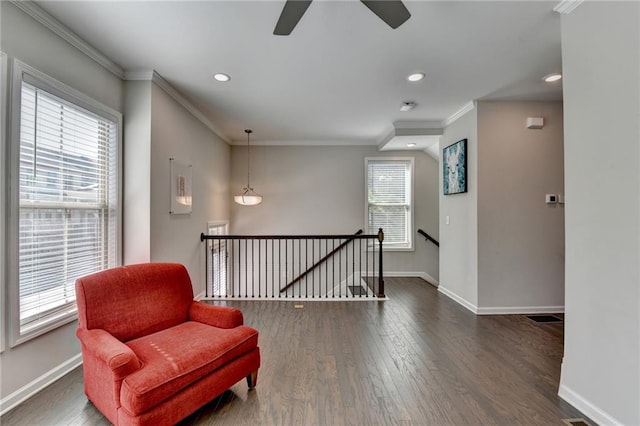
(181, 198)
(454, 168)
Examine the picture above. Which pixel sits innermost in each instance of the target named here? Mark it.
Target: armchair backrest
(135, 300)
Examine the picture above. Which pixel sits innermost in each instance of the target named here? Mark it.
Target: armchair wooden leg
(252, 380)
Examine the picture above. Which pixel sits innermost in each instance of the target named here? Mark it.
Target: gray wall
(159, 128)
(503, 249)
(459, 239)
(24, 39)
(176, 133)
(321, 189)
(520, 238)
(601, 65)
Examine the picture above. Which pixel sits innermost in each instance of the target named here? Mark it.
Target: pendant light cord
(248, 132)
(249, 197)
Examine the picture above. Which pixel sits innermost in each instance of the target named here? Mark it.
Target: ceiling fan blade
(393, 12)
(291, 14)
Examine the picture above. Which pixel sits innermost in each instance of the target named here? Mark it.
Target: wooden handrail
(429, 237)
(357, 235)
(319, 262)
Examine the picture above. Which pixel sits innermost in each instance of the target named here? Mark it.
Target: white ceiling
(340, 77)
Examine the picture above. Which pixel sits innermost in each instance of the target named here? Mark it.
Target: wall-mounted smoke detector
(407, 106)
(535, 122)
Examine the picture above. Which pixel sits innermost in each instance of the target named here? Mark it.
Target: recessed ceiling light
(411, 144)
(552, 77)
(415, 76)
(221, 77)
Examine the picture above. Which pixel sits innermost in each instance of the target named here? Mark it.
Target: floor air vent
(357, 290)
(544, 318)
(576, 422)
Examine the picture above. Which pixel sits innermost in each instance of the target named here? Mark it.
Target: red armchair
(153, 355)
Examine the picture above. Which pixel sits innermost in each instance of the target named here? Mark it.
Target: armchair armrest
(117, 356)
(216, 316)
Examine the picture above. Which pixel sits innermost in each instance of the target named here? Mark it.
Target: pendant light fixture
(249, 197)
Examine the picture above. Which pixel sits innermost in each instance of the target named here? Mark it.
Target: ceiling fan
(393, 12)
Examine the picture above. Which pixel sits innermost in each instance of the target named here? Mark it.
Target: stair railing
(264, 266)
(319, 262)
(428, 237)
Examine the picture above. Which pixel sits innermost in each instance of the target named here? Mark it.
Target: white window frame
(3, 189)
(409, 246)
(218, 227)
(23, 72)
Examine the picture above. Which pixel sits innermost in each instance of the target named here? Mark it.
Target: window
(68, 200)
(389, 200)
(217, 278)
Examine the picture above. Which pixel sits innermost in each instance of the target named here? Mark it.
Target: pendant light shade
(248, 197)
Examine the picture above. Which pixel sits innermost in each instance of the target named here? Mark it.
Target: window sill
(388, 249)
(398, 249)
(45, 327)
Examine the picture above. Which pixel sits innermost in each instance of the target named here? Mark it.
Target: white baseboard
(519, 310)
(500, 310)
(586, 407)
(30, 389)
(303, 299)
(428, 278)
(456, 298)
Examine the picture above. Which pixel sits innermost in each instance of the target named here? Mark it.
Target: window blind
(68, 197)
(389, 200)
(217, 280)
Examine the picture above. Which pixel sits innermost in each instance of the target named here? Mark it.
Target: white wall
(23, 38)
(137, 173)
(176, 133)
(459, 239)
(520, 238)
(601, 66)
(321, 190)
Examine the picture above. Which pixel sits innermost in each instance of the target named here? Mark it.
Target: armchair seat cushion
(174, 358)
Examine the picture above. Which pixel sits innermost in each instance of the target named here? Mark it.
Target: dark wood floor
(416, 359)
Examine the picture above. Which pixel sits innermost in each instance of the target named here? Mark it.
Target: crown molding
(37, 13)
(411, 128)
(153, 76)
(462, 111)
(417, 125)
(566, 6)
(139, 75)
(308, 142)
(179, 98)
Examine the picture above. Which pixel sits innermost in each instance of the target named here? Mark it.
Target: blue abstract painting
(454, 168)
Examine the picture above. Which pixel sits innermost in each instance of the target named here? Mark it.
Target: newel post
(206, 262)
(380, 274)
